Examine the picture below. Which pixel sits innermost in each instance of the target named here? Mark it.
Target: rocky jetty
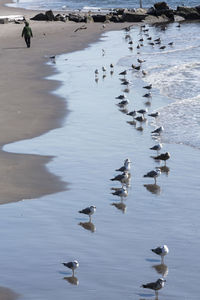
(158, 13)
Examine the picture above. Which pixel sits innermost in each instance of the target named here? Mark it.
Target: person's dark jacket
(27, 32)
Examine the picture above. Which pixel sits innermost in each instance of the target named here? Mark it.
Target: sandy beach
(28, 108)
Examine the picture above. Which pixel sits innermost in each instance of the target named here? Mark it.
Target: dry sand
(28, 109)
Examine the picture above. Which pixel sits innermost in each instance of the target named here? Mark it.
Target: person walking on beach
(27, 34)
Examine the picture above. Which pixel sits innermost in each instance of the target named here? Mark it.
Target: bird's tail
(112, 179)
(145, 176)
(80, 211)
(144, 286)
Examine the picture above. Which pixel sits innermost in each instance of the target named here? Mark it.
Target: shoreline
(30, 109)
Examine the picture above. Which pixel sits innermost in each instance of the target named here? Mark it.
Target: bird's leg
(162, 260)
(155, 179)
(73, 273)
(90, 219)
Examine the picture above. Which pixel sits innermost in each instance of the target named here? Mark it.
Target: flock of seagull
(125, 170)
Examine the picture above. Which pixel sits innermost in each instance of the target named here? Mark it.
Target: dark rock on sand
(161, 6)
(48, 16)
(129, 16)
(39, 17)
(188, 13)
(100, 18)
(77, 18)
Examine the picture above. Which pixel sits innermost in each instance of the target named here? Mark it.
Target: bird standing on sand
(147, 95)
(88, 211)
(122, 192)
(121, 97)
(158, 130)
(123, 103)
(157, 285)
(154, 115)
(157, 147)
(124, 73)
(126, 167)
(132, 113)
(123, 178)
(72, 265)
(153, 174)
(163, 156)
(142, 111)
(148, 87)
(162, 251)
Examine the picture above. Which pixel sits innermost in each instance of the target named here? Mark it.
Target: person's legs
(28, 41)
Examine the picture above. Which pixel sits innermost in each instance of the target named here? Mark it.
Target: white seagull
(162, 251)
(72, 265)
(126, 167)
(153, 174)
(88, 211)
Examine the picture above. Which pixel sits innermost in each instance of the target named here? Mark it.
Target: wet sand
(28, 108)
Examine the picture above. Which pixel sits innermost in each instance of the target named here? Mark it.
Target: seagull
(148, 95)
(103, 52)
(163, 156)
(157, 147)
(170, 44)
(141, 60)
(159, 284)
(140, 119)
(122, 192)
(123, 103)
(151, 43)
(162, 251)
(142, 111)
(126, 167)
(158, 130)
(96, 72)
(121, 97)
(126, 82)
(141, 40)
(130, 43)
(162, 47)
(149, 38)
(153, 174)
(88, 211)
(124, 178)
(157, 40)
(154, 115)
(72, 265)
(111, 66)
(104, 69)
(148, 87)
(144, 73)
(132, 113)
(123, 73)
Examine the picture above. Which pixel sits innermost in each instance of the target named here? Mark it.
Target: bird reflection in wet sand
(153, 188)
(72, 279)
(123, 110)
(120, 205)
(164, 169)
(88, 226)
(161, 269)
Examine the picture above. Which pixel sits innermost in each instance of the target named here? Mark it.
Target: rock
(133, 17)
(119, 11)
(154, 20)
(39, 17)
(76, 18)
(59, 17)
(161, 5)
(169, 13)
(189, 13)
(100, 18)
(116, 18)
(198, 8)
(49, 15)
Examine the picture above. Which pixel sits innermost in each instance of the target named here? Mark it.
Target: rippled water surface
(114, 256)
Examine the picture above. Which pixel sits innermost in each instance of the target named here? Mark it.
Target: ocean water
(80, 4)
(114, 251)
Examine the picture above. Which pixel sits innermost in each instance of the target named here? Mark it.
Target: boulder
(116, 18)
(161, 5)
(133, 17)
(188, 13)
(49, 15)
(59, 17)
(155, 20)
(198, 8)
(169, 13)
(76, 18)
(100, 18)
(39, 17)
